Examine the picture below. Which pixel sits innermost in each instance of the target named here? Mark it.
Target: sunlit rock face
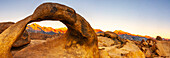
(108, 49)
(154, 48)
(5, 25)
(112, 46)
(163, 48)
(23, 40)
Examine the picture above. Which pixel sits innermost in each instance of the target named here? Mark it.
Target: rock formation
(108, 50)
(112, 46)
(5, 25)
(113, 36)
(80, 39)
(159, 38)
(24, 39)
(154, 48)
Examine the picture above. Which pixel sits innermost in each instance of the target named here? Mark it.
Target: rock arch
(80, 39)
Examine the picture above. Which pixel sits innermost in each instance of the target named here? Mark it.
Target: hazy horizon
(143, 17)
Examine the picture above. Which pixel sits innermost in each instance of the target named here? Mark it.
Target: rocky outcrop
(113, 36)
(129, 50)
(80, 39)
(110, 34)
(105, 42)
(109, 49)
(32, 43)
(159, 38)
(153, 48)
(163, 48)
(5, 25)
(23, 40)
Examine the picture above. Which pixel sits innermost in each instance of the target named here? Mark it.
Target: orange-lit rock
(62, 30)
(98, 30)
(80, 39)
(23, 40)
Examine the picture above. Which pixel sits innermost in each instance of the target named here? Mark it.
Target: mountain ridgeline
(35, 28)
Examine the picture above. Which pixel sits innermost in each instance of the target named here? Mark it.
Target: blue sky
(144, 17)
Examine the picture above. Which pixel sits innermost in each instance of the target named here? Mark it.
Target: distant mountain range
(49, 30)
(45, 30)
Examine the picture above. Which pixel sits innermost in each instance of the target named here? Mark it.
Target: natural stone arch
(80, 39)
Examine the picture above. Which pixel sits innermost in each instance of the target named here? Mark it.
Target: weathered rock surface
(147, 52)
(113, 36)
(105, 42)
(104, 54)
(154, 48)
(163, 48)
(5, 25)
(80, 39)
(159, 38)
(23, 40)
(32, 43)
(108, 49)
